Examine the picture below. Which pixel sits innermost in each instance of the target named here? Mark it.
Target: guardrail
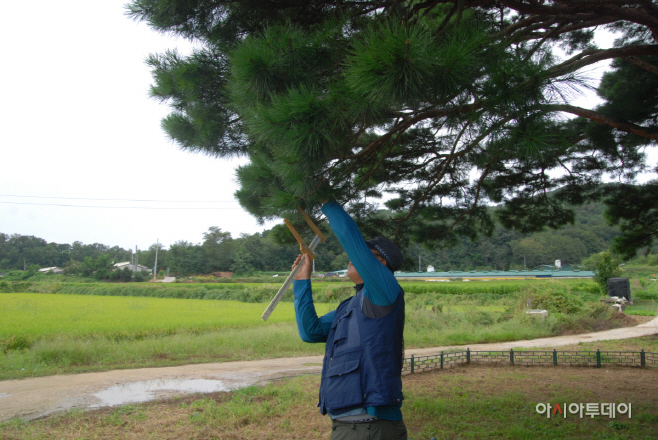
(596, 358)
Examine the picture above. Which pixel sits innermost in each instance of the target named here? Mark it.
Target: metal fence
(415, 364)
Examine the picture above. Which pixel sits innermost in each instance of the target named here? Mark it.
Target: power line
(108, 207)
(121, 200)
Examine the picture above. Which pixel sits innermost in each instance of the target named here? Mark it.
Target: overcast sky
(77, 123)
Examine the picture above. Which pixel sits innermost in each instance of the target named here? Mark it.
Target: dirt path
(37, 397)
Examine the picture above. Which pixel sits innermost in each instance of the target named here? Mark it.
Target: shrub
(140, 276)
(555, 299)
(16, 275)
(652, 260)
(607, 266)
(126, 275)
(599, 310)
(72, 267)
(115, 275)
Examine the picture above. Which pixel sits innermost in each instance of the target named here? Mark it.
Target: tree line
(260, 252)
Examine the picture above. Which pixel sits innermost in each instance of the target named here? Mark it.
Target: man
(361, 387)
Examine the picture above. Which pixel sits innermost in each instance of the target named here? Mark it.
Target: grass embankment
(469, 402)
(44, 334)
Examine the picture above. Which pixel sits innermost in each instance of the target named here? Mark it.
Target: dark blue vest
(363, 358)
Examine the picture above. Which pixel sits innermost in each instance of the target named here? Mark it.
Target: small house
(132, 266)
(54, 269)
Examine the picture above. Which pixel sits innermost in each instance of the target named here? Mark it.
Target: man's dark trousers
(375, 430)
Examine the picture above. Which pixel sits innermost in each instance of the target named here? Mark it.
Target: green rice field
(95, 326)
(35, 315)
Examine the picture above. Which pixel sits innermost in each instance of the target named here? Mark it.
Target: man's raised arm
(311, 327)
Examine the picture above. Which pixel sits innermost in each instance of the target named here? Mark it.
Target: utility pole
(155, 268)
(135, 259)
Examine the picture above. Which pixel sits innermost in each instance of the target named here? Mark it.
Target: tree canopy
(441, 107)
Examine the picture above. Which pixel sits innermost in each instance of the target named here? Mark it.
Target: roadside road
(40, 396)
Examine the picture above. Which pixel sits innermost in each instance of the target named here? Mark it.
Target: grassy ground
(42, 334)
(468, 402)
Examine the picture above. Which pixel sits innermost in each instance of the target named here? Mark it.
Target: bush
(126, 275)
(555, 299)
(115, 275)
(102, 274)
(607, 266)
(140, 276)
(17, 275)
(72, 267)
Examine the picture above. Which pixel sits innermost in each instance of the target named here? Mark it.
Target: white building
(131, 266)
(54, 269)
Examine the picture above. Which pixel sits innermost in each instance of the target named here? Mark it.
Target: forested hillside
(506, 249)
(218, 251)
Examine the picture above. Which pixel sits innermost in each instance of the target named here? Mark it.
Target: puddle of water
(143, 391)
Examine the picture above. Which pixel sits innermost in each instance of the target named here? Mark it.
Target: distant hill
(507, 249)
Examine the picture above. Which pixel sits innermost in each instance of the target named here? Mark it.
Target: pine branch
(619, 10)
(485, 173)
(427, 6)
(540, 43)
(649, 133)
(563, 29)
(592, 56)
(439, 175)
(651, 68)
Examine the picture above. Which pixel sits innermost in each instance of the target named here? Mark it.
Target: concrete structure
(131, 266)
(54, 269)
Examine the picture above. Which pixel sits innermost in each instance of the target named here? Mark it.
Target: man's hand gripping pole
(307, 252)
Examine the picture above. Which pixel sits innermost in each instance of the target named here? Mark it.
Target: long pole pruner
(307, 252)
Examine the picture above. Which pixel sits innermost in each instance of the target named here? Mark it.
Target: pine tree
(445, 106)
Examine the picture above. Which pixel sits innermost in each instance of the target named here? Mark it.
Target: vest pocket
(344, 381)
(345, 331)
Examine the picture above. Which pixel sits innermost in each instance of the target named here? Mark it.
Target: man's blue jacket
(364, 335)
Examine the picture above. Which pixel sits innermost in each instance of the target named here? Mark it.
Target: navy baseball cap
(388, 250)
